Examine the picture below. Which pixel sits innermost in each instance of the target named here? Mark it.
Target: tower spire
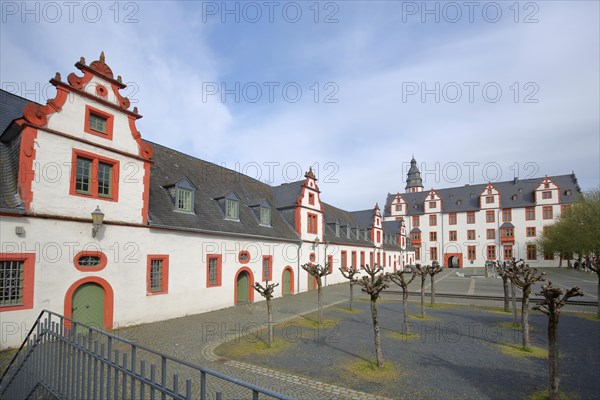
(414, 183)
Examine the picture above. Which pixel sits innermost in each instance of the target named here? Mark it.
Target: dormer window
(348, 232)
(232, 209)
(185, 200)
(265, 216)
(568, 192)
(514, 197)
(337, 229)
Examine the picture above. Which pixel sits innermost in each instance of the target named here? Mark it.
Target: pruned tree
(551, 305)
(422, 272)
(399, 278)
(349, 274)
(501, 272)
(267, 292)
(433, 269)
(372, 284)
(523, 276)
(318, 271)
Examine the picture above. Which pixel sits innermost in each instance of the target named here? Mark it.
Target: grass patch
(588, 316)
(543, 395)
(252, 345)
(367, 371)
(401, 336)
(516, 350)
(310, 321)
(346, 310)
(418, 317)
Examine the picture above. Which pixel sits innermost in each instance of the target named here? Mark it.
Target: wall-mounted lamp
(97, 220)
(316, 242)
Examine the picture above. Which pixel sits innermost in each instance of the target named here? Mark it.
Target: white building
(179, 235)
(468, 225)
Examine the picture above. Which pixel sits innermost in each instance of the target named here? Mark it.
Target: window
(265, 216)
(312, 223)
(311, 199)
(491, 252)
(564, 208)
(94, 176)
(415, 236)
(433, 220)
(244, 257)
(433, 236)
(348, 230)
(213, 270)
(530, 213)
(185, 200)
(491, 234)
(16, 281)
(506, 215)
(547, 212)
(232, 209)
(452, 218)
(471, 217)
(90, 261)
(398, 207)
(548, 256)
(507, 232)
(378, 236)
(371, 259)
(353, 259)
(157, 274)
(330, 263)
(489, 199)
(344, 261)
(98, 123)
(471, 252)
(508, 252)
(337, 229)
(362, 258)
(433, 254)
(453, 236)
(432, 204)
(418, 253)
(267, 268)
(490, 216)
(547, 194)
(531, 252)
(312, 257)
(415, 220)
(530, 231)
(471, 234)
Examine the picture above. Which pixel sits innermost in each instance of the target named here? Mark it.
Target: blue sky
(476, 92)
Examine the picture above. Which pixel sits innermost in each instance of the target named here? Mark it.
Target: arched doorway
(288, 281)
(90, 301)
(244, 281)
(88, 305)
(453, 260)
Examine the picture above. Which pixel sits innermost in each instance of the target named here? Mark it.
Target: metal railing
(64, 359)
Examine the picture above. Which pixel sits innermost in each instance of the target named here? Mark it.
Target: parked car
(408, 268)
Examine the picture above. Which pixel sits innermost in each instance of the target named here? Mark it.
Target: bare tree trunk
(598, 294)
(270, 320)
(405, 317)
(553, 355)
(378, 349)
(432, 290)
(506, 295)
(525, 317)
(320, 300)
(423, 296)
(514, 302)
(351, 294)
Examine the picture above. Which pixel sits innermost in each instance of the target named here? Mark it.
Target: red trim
(546, 208)
(101, 266)
(108, 299)
(146, 150)
(110, 119)
(447, 257)
(344, 260)
(94, 176)
(28, 279)
(283, 280)
(313, 223)
(312, 257)
(219, 259)
(250, 284)
(247, 253)
(38, 115)
(165, 274)
(330, 261)
(262, 272)
(27, 155)
(471, 252)
(101, 90)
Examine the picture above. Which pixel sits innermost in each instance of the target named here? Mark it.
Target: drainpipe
(298, 266)
(442, 223)
(326, 245)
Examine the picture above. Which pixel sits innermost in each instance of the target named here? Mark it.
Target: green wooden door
(287, 282)
(242, 288)
(88, 305)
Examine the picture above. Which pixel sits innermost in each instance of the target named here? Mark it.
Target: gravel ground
(454, 355)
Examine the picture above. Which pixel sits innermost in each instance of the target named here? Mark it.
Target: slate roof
(212, 182)
(466, 198)
(346, 220)
(11, 108)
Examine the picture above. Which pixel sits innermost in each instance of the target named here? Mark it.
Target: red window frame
(219, 259)
(452, 218)
(491, 252)
(311, 199)
(245, 253)
(269, 276)
(433, 236)
(508, 252)
(490, 234)
(96, 159)
(489, 199)
(471, 252)
(530, 231)
(531, 251)
(99, 267)
(28, 260)
(433, 220)
(165, 274)
(530, 214)
(471, 234)
(433, 253)
(416, 221)
(330, 261)
(563, 209)
(362, 259)
(344, 260)
(89, 110)
(417, 253)
(312, 226)
(547, 212)
(490, 216)
(470, 217)
(353, 265)
(506, 215)
(547, 194)
(432, 204)
(453, 236)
